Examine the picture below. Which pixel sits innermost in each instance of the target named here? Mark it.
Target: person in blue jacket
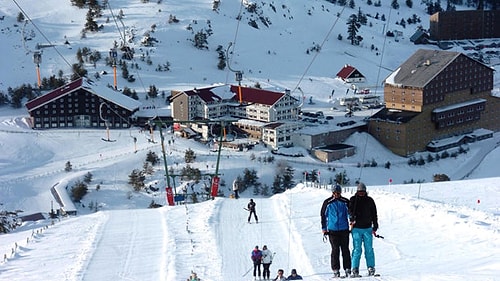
(335, 224)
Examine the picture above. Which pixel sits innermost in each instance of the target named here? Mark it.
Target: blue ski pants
(362, 236)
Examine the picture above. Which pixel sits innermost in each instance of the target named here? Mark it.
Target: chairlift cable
(321, 47)
(234, 39)
(376, 88)
(43, 35)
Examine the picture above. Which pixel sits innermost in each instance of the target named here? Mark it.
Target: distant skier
(236, 188)
(364, 221)
(257, 260)
(251, 209)
(267, 259)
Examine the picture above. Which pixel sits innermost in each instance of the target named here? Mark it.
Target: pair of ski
(357, 277)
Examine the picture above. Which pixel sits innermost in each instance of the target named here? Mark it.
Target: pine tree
(352, 29)
(91, 24)
(88, 178)
(395, 4)
(68, 167)
(136, 179)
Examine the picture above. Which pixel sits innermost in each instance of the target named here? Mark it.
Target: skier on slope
(236, 188)
(335, 224)
(257, 260)
(267, 260)
(251, 209)
(364, 222)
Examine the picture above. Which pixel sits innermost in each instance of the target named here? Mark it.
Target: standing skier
(334, 222)
(364, 221)
(257, 260)
(251, 209)
(267, 259)
(236, 187)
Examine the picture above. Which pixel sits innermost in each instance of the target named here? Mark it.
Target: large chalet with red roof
(264, 115)
(82, 104)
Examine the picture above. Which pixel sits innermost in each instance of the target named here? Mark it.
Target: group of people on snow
(356, 216)
(340, 218)
(264, 257)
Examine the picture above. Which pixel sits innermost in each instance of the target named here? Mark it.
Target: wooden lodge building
(82, 104)
(435, 95)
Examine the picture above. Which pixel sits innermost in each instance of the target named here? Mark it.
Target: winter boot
(355, 272)
(347, 272)
(371, 271)
(336, 273)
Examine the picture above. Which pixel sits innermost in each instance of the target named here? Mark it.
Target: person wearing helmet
(335, 224)
(364, 222)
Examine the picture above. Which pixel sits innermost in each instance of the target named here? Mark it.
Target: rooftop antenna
(238, 73)
(113, 55)
(37, 59)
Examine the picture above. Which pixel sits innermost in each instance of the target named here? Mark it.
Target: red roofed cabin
(350, 74)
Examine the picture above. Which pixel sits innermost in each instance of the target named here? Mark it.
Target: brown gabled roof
(419, 69)
(103, 92)
(61, 91)
(205, 94)
(254, 95)
(346, 71)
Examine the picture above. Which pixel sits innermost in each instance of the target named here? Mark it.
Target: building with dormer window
(264, 115)
(435, 95)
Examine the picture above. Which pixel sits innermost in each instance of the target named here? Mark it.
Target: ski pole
(247, 272)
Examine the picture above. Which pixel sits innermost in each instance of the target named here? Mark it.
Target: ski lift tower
(37, 59)
(113, 55)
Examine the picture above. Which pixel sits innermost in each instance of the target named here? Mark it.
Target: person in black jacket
(335, 224)
(364, 223)
(251, 209)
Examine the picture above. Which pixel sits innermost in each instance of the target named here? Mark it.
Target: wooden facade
(434, 95)
(82, 104)
(459, 25)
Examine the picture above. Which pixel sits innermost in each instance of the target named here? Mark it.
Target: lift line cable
(43, 35)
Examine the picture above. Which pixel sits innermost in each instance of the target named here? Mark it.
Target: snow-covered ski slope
(433, 238)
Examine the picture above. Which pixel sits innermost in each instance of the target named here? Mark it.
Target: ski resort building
(435, 95)
(263, 115)
(82, 104)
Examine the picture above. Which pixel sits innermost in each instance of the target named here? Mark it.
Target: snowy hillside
(433, 231)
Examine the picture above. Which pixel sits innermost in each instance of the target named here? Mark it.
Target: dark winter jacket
(334, 214)
(363, 211)
(251, 206)
(256, 256)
